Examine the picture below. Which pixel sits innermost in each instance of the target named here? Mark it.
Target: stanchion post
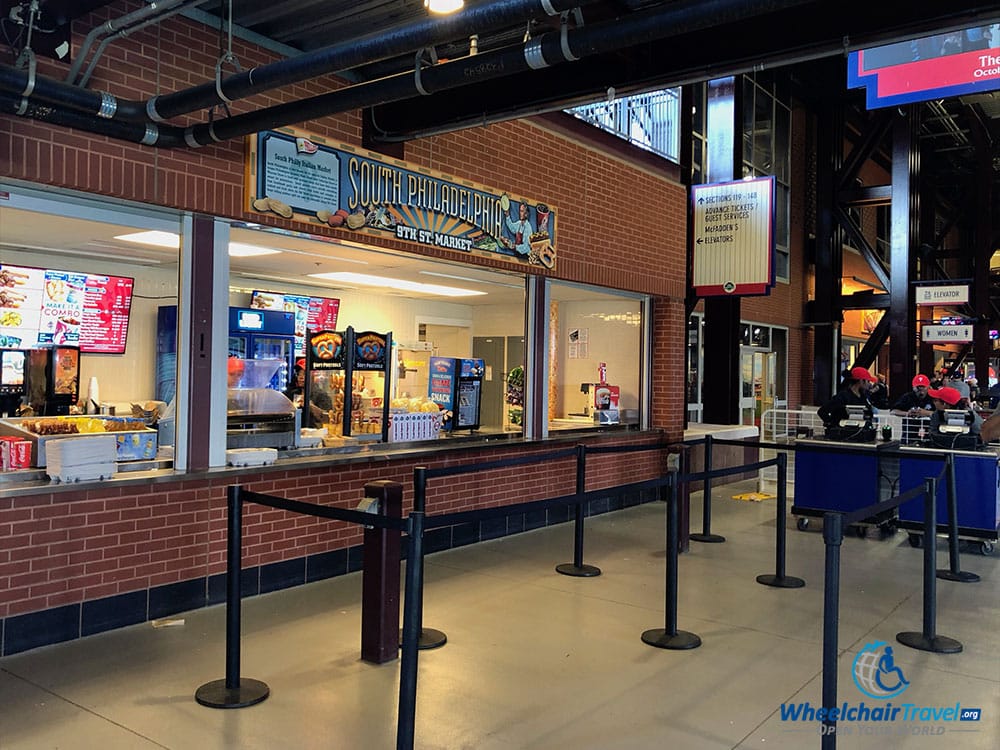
(779, 579)
(233, 691)
(380, 577)
(577, 568)
(928, 639)
(706, 534)
(954, 571)
(669, 636)
(833, 537)
(429, 638)
(412, 615)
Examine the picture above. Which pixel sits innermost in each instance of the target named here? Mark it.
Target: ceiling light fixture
(243, 250)
(443, 6)
(155, 238)
(474, 281)
(401, 284)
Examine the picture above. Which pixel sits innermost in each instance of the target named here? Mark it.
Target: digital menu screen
(46, 307)
(312, 313)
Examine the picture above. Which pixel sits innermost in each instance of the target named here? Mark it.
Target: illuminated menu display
(46, 307)
(312, 313)
(107, 302)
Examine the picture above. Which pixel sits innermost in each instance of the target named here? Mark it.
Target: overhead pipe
(334, 58)
(131, 29)
(148, 134)
(552, 98)
(150, 12)
(550, 48)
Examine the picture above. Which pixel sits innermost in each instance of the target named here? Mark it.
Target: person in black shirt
(917, 402)
(320, 402)
(854, 393)
(879, 393)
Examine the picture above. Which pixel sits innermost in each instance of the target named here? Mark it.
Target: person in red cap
(916, 402)
(235, 367)
(320, 402)
(945, 399)
(854, 393)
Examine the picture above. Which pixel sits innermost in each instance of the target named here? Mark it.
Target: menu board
(46, 307)
(312, 313)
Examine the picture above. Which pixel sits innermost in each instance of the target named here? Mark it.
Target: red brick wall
(69, 547)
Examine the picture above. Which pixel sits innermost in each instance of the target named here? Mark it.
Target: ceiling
(624, 45)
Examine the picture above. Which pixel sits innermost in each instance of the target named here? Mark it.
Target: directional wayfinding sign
(733, 237)
(954, 334)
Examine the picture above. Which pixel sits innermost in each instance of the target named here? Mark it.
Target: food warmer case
(258, 416)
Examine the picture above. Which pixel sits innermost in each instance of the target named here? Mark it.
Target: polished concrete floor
(539, 660)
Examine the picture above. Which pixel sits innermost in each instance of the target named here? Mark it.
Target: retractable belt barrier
(236, 691)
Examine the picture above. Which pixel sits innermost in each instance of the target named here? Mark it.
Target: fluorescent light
(365, 279)
(475, 281)
(443, 6)
(243, 250)
(156, 238)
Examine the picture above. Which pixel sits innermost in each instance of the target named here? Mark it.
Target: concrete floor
(539, 660)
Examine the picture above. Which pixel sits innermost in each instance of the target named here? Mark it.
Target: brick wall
(67, 547)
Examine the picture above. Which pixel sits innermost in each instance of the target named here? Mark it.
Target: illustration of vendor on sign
(527, 241)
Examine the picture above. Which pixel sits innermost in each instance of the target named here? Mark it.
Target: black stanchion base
(583, 571)
(679, 641)
(429, 638)
(940, 644)
(961, 576)
(215, 694)
(782, 582)
(708, 538)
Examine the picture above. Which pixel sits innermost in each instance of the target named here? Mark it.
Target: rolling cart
(977, 493)
(840, 476)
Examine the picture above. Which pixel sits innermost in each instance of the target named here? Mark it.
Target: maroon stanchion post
(380, 577)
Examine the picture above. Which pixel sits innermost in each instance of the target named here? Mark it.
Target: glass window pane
(782, 126)
(489, 325)
(596, 336)
(763, 134)
(781, 200)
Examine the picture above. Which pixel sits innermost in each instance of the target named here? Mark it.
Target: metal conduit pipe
(117, 24)
(543, 51)
(131, 29)
(331, 59)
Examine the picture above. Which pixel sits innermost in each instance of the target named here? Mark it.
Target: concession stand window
(597, 348)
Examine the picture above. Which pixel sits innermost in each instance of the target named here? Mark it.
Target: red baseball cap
(921, 380)
(860, 373)
(949, 395)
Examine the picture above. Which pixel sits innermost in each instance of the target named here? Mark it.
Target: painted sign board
(733, 237)
(943, 295)
(946, 334)
(956, 63)
(304, 178)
